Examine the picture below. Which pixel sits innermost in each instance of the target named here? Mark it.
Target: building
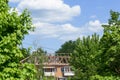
(58, 67)
(55, 66)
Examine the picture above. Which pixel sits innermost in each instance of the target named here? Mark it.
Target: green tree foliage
(67, 47)
(83, 58)
(110, 46)
(98, 77)
(26, 52)
(13, 28)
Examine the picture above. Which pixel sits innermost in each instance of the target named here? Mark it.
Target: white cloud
(66, 31)
(46, 12)
(50, 10)
(14, 1)
(47, 30)
(95, 26)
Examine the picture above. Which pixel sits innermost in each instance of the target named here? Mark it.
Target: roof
(48, 60)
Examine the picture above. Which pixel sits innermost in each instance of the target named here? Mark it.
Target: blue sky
(57, 21)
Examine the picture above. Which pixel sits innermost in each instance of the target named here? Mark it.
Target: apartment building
(57, 67)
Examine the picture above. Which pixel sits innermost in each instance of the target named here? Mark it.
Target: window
(65, 69)
(49, 69)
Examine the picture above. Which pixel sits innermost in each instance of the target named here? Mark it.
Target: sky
(57, 21)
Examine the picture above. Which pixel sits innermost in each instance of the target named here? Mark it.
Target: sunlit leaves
(83, 59)
(13, 28)
(110, 44)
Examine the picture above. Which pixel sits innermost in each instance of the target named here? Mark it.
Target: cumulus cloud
(48, 30)
(50, 10)
(94, 26)
(66, 31)
(46, 13)
(14, 1)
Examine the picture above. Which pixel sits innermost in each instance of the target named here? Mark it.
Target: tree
(83, 59)
(109, 56)
(26, 52)
(13, 28)
(67, 47)
(110, 46)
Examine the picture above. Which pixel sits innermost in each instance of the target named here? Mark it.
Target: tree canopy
(110, 46)
(83, 57)
(13, 28)
(67, 48)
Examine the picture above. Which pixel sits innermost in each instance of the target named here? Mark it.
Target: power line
(41, 46)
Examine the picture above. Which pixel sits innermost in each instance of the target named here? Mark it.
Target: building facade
(57, 67)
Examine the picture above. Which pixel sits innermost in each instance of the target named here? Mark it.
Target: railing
(49, 73)
(69, 73)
